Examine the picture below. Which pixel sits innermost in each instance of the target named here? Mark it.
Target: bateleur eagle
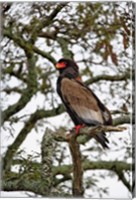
(81, 103)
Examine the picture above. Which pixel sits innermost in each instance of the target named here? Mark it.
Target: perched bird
(81, 103)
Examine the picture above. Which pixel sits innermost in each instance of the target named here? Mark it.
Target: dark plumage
(81, 103)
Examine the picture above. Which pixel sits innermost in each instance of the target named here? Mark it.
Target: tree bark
(47, 148)
(77, 184)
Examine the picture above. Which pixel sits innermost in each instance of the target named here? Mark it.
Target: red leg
(78, 128)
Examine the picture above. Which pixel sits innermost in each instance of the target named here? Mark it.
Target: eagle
(82, 105)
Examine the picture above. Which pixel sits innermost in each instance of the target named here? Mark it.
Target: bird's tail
(101, 138)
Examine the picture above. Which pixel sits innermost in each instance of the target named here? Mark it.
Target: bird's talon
(78, 128)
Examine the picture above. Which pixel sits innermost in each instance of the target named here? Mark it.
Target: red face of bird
(64, 63)
(61, 64)
(67, 66)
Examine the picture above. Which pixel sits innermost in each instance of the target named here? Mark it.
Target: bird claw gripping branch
(78, 127)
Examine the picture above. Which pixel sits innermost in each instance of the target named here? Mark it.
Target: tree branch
(87, 165)
(121, 176)
(44, 54)
(39, 114)
(100, 128)
(21, 183)
(106, 77)
(123, 120)
(86, 133)
(14, 89)
(77, 185)
(27, 46)
(64, 47)
(31, 86)
(50, 35)
(47, 148)
(94, 165)
(45, 22)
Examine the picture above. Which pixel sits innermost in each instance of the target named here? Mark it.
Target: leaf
(114, 58)
(125, 40)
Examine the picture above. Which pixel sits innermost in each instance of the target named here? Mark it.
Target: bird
(82, 105)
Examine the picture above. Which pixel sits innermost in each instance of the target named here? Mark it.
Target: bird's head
(66, 63)
(68, 68)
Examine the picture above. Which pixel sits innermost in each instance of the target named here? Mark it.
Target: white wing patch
(106, 115)
(87, 114)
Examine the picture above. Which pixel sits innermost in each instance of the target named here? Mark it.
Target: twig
(121, 176)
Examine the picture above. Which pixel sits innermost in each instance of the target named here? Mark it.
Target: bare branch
(100, 128)
(77, 185)
(86, 133)
(14, 89)
(94, 165)
(127, 119)
(105, 77)
(44, 54)
(121, 176)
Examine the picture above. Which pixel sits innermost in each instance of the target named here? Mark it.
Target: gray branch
(47, 148)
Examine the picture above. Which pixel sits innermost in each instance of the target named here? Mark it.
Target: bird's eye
(60, 65)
